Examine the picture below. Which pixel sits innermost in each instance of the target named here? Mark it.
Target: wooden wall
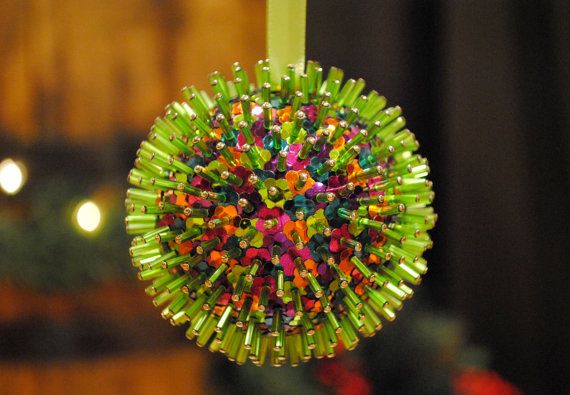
(84, 70)
(177, 371)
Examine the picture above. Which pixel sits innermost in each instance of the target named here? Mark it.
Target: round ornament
(280, 220)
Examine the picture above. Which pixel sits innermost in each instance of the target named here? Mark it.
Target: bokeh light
(12, 176)
(88, 216)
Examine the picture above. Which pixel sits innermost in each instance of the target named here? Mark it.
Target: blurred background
(484, 86)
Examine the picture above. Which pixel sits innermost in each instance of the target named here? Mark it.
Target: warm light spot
(12, 176)
(257, 110)
(88, 216)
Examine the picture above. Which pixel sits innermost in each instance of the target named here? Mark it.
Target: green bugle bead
(325, 166)
(194, 284)
(211, 300)
(276, 137)
(266, 92)
(282, 161)
(297, 99)
(255, 181)
(279, 283)
(359, 138)
(370, 223)
(174, 306)
(347, 156)
(238, 290)
(151, 273)
(247, 237)
(267, 117)
(217, 223)
(244, 313)
(188, 234)
(207, 246)
(251, 333)
(253, 154)
(207, 174)
(285, 88)
(226, 154)
(239, 72)
(321, 140)
(347, 214)
(163, 237)
(324, 109)
(252, 271)
(164, 297)
(362, 268)
(297, 126)
(380, 252)
(246, 108)
(215, 275)
(352, 116)
(306, 148)
(207, 331)
(314, 285)
(297, 302)
(160, 284)
(246, 205)
(325, 197)
(339, 131)
(263, 298)
(301, 181)
(277, 322)
(224, 318)
(227, 132)
(275, 254)
(199, 144)
(334, 88)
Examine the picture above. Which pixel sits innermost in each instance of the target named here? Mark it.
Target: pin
(362, 268)
(246, 205)
(226, 154)
(247, 237)
(263, 298)
(226, 129)
(231, 178)
(285, 88)
(282, 161)
(275, 254)
(301, 180)
(323, 112)
(216, 275)
(276, 137)
(326, 166)
(246, 108)
(240, 73)
(297, 99)
(339, 131)
(321, 140)
(267, 117)
(325, 197)
(274, 193)
(308, 145)
(246, 132)
(279, 283)
(266, 92)
(207, 246)
(299, 118)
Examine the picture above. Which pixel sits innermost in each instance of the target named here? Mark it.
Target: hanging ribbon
(286, 25)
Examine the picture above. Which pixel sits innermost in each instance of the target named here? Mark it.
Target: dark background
(483, 84)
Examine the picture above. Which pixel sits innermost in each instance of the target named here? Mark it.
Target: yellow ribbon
(286, 25)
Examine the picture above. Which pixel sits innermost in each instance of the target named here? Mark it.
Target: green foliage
(42, 249)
